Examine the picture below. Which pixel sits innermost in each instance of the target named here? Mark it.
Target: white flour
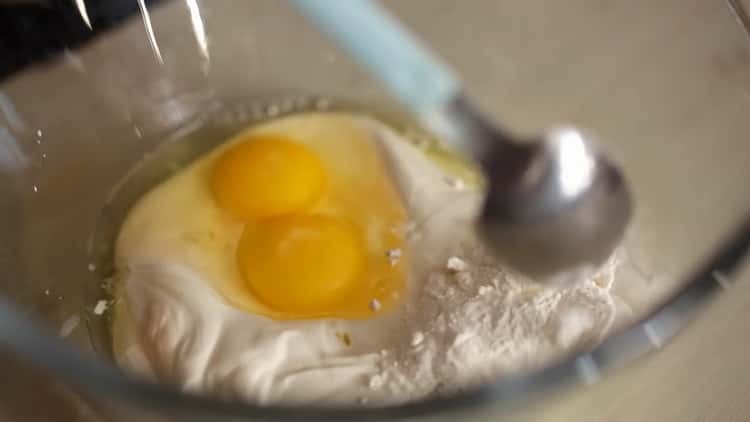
(478, 322)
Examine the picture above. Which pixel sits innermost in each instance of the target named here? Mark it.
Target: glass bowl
(665, 87)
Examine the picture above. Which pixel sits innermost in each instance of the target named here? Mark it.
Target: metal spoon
(554, 203)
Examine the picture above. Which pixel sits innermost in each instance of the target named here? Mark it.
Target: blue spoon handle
(387, 49)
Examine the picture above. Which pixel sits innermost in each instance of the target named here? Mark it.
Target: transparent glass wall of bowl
(665, 86)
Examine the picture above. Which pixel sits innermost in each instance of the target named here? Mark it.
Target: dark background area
(34, 30)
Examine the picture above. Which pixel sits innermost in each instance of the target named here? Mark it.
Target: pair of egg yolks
(294, 261)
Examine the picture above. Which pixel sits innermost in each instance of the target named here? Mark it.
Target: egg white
(176, 323)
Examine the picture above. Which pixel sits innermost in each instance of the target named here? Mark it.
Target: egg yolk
(267, 176)
(302, 264)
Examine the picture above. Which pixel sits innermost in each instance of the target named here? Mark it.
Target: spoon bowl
(553, 205)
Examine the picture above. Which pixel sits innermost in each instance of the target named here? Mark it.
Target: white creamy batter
(465, 320)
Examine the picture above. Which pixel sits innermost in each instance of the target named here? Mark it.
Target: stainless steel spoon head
(553, 205)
